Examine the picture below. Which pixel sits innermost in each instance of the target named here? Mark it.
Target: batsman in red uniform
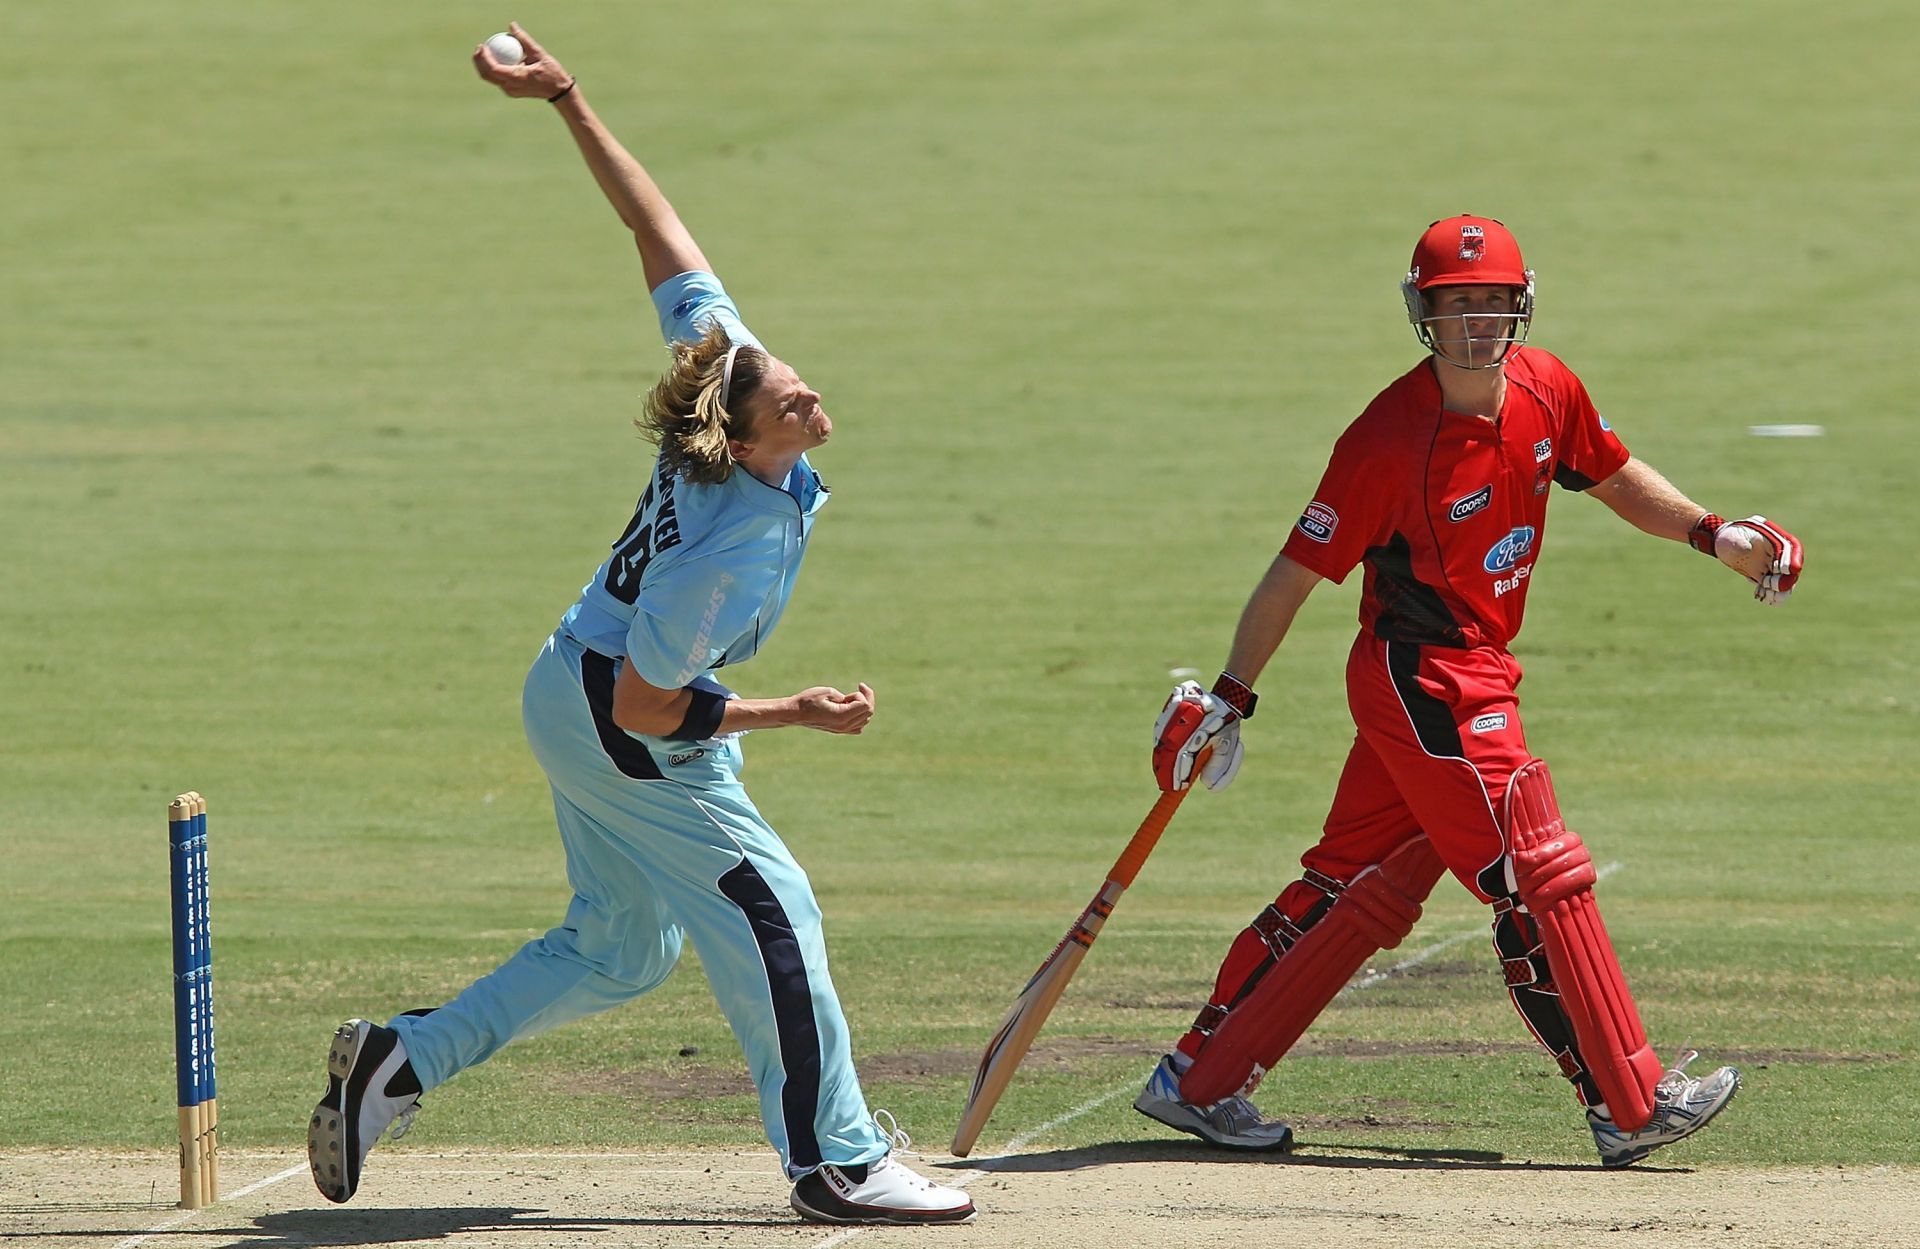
(1440, 491)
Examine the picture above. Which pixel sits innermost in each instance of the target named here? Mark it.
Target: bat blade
(1014, 1037)
(1030, 1010)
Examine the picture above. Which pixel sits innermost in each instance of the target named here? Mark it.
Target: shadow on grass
(1371, 1158)
(381, 1227)
(301, 1229)
(83, 1207)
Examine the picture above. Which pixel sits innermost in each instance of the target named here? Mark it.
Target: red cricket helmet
(1469, 251)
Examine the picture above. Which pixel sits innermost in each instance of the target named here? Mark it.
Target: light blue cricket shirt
(702, 573)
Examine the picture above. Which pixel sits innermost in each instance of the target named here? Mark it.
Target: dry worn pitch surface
(1135, 1195)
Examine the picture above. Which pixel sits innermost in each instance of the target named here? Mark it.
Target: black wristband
(703, 717)
(1701, 536)
(563, 93)
(1236, 694)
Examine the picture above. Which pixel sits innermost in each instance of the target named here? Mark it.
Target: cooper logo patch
(1490, 723)
(679, 757)
(1473, 242)
(1509, 550)
(1463, 508)
(681, 309)
(1543, 450)
(1318, 522)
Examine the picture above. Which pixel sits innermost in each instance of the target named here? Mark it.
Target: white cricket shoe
(1231, 1122)
(370, 1085)
(1682, 1106)
(882, 1191)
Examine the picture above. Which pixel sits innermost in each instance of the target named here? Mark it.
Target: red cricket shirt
(1447, 510)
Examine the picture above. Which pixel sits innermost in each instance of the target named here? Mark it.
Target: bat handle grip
(1127, 866)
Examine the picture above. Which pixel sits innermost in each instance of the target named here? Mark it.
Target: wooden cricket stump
(193, 1003)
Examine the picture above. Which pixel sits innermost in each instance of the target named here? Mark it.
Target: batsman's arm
(666, 248)
(1764, 554)
(1639, 495)
(1268, 615)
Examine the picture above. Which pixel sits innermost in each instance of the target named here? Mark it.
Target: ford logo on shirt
(1510, 550)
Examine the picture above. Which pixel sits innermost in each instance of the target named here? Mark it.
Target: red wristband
(1701, 536)
(1236, 694)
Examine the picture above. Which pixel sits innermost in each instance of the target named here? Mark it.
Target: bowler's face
(787, 416)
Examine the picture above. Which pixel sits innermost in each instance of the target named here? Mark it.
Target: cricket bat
(1030, 1010)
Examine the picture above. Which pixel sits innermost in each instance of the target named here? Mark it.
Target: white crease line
(185, 1215)
(1019, 1143)
(158, 1230)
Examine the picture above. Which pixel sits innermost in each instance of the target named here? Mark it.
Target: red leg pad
(1554, 875)
(1374, 913)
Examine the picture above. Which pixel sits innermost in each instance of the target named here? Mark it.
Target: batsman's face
(1472, 325)
(787, 416)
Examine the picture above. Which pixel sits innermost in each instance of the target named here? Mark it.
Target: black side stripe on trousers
(792, 1006)
(1432, 719)
(596, 681)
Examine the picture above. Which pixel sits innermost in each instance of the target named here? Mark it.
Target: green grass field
(319, 358)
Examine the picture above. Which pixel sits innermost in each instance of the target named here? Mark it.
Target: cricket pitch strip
(1149, 1194)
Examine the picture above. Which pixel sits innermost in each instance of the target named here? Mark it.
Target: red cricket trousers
(1440, 736)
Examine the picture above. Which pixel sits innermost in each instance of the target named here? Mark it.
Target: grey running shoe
(1682, 1106)
(1231, 1122)
(882, 1191)
(370, 1086)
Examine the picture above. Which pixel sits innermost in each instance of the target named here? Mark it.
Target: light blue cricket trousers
(657, 849)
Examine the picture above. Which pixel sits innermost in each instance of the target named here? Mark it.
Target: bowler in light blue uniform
(640, 741)
(662, 840)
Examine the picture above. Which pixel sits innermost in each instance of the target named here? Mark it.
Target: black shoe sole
(895, 1218)
(333, 1145)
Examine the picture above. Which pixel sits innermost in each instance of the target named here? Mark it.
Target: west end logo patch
(1543, 450)
(1473, 243)
(1477, 501)
(1318, 522)
(1490, 723)
(1509, 550)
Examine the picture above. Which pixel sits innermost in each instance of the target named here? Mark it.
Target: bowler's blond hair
(683, 413)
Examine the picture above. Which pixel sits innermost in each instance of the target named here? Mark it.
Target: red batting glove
(1194, 721)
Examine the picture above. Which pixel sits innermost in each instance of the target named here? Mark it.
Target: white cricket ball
(506, 49)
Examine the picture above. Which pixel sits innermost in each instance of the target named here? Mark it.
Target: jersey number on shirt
(652, 530)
